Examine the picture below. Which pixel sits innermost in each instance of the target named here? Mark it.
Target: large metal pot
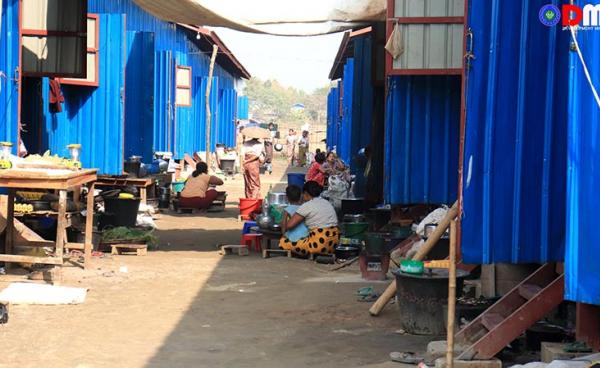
(264, 221)
(277, 198)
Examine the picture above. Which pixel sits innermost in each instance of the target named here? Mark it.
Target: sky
(299, 62)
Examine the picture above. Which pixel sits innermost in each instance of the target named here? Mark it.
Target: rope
(585, 68)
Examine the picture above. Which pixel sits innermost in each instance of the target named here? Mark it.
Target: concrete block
(437, 349)
(492, 363)
(555, 351)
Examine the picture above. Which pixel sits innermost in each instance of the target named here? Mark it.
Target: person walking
(291, 146)
(303, 146)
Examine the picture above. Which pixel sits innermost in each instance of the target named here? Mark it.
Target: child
(294, 194)
(315, 171)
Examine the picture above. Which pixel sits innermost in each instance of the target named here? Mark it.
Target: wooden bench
(137, 249)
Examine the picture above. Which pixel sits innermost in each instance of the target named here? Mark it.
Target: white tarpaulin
(280, 17)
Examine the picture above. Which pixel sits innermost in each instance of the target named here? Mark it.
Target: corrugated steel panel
(93, 116)
(242, 107)
(139, 95)
(345, 136)
(9, 61)
(430, 46)
(333, 117)
(582, 281)
(226, 123)
(515, 149)
(421, 139)
(164, 108)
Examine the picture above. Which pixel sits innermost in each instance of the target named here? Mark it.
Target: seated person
(197, 192)
(320, 217)
(315, 171)
(294, 196)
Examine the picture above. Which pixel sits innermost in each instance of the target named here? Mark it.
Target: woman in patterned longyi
(320, 217)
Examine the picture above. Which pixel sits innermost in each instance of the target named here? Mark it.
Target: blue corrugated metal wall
(93, 116)
(421, 139)
(9, 58)
(139, 95)
(515, 150)
(178, 129)
(164, 92)
(226, 125)
(362, 108)
(583, 180)
(333, 117)
(242, 107)
(345, 135)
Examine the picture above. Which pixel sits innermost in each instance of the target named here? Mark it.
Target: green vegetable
(127, 234)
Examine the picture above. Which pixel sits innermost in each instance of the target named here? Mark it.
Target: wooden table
(63, 181)
(141, 183)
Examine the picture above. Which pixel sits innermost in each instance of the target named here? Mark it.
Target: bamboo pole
(440, 229)
(451, 296)
(207, 101)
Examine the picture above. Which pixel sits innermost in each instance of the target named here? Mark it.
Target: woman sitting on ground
(197, 192)
(320, 217)
(315, 171)
(291, 237)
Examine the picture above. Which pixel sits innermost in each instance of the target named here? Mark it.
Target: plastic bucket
(355, 229)
(296, 179)
(124, 211)
(249, 206)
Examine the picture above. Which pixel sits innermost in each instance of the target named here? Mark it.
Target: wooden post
(89, 226)
(10, 225)
(389, 293)
(207, 101)
(61, 224)
(451, 296)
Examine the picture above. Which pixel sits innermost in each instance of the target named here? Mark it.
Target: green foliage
(272, 102)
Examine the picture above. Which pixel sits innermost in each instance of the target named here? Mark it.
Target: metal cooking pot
(354, 218)
(346, 252)
(264, 221)
(277, 198)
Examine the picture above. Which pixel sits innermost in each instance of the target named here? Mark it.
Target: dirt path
(186, 306)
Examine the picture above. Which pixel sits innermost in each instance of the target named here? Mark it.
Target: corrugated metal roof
(421, 139)
(515, 149)
(582, 281)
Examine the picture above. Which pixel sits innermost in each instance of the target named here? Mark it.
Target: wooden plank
(61, 224)
(10, 219)
(44, 174)
(77, 246)
(34, 244)
(29, 259)
(89, 224)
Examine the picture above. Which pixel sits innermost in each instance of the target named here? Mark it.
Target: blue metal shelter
(582, 274)
(515, 144)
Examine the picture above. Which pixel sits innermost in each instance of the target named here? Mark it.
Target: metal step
(528, 291)
(510, 316)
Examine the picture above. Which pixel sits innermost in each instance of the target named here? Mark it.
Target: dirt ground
(184, 305)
